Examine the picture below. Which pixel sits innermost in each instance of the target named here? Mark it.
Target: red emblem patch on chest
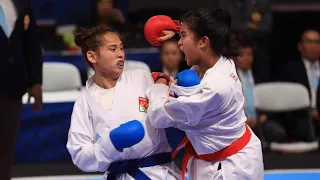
(143, 104)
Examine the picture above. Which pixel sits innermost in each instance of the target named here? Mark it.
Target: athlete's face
(189, 45)
(109, 58)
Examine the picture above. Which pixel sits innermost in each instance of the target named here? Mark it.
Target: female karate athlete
(219, 145)
(102, 135)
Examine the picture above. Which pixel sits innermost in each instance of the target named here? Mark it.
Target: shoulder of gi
(221, 84)
(80, 118)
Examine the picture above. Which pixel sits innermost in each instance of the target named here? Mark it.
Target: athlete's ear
(92, 57)
(204, 42)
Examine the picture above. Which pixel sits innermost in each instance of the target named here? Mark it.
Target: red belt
(230, 150)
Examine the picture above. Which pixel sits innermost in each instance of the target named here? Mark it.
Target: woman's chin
(189, 63)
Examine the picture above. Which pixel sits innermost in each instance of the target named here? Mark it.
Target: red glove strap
(158, 75)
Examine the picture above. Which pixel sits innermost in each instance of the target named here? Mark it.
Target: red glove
(156, 24)
(158, 75)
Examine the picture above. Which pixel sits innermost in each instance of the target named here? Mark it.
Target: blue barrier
(43, 135)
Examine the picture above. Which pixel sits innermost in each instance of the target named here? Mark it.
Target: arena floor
(269, 175)
(278, 167)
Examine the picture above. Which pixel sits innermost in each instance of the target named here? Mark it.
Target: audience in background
(253, 23)
(172, 58)
(249, 79)
(279, 127)
(306, 72)
(249, 15)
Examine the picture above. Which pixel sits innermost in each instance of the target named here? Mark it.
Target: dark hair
(90, 39)
(245, 43)
(215, 24)
(305, 31)
(241, 39)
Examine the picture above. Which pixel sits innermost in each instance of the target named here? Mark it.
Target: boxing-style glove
(156, 24)
(127, 134)
(187, 78)
(158, 75)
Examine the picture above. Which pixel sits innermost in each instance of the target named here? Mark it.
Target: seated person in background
(248, 79)
(276, 127)
(306, 72)
(172, 59)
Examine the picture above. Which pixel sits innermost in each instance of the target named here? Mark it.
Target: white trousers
(247, 164)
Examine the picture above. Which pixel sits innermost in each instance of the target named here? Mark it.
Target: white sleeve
(147, 78)
(86, 154)
(165, 111)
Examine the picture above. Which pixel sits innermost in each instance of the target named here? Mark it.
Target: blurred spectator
(248, 79)
(103, 12)
(253, 17)
(247, 57)
(21, 68)
(172, 58)
(107, 14)
(306, 71)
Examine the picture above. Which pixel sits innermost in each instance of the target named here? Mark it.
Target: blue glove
(187, 78)
(127, 134)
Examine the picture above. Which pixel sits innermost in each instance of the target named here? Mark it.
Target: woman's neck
(105, 82)
(207, 63)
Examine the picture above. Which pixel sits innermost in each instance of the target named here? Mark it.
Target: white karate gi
(212, 116)
(88, 142)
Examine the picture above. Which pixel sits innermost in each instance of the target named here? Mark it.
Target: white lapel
(125, 105)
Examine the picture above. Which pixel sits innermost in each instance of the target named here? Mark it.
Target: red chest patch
(143, 104)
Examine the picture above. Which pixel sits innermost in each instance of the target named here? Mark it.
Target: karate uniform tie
(3, 22)
(314, 76)
(250, 108)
